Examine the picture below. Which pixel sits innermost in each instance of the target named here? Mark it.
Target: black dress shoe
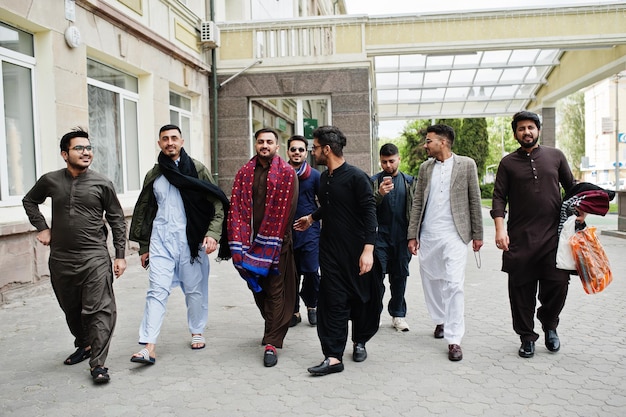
(326, 368)
(312, 315)
(552, 341)
(295, 320)
(359, 354)
(438, 331)
(527, 349)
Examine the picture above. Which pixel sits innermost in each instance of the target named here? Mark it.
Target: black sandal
(100, 375)
(80, 355)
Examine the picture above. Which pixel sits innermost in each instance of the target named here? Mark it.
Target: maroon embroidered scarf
(258, 257)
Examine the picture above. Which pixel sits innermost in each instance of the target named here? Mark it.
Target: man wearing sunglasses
(81, 272)
(305, 243)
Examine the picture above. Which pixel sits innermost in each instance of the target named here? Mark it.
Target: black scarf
(193, 192)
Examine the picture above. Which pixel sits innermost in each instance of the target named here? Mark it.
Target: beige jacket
(464, 199)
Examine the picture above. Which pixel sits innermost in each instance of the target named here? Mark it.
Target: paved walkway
(406, 374)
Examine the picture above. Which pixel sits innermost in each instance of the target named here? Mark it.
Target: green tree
(501, 142)
(472, 139)
(412, 150)
(571, 129)
(455, 124)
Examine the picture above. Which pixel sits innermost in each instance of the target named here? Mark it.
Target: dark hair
(169, 127)
(388, 149)
(331, 136)
(442, 130)
(297, 137)
(525, 115)
(77, 132)
(265, 130)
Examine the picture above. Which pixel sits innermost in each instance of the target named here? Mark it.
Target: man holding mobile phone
(393, 192)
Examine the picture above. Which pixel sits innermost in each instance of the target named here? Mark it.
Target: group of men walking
(284, 220)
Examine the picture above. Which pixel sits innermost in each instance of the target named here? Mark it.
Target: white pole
(617, 77)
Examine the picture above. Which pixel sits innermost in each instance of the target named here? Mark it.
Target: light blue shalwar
(170, 266)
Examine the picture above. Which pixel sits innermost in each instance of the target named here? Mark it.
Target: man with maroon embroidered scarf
(263, 206)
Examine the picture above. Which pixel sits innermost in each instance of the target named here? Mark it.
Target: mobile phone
(147, 263)
(387, 178)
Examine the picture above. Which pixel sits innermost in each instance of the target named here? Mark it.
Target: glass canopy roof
(474, 84)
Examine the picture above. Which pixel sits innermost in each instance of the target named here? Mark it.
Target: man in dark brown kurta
(264, 255)
(528, 179)
(80, 266)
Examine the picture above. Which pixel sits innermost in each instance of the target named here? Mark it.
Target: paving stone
(405, 374)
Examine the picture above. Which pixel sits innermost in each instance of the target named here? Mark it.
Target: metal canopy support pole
(617, 77)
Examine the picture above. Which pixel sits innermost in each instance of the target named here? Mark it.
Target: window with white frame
(290, 116)
(180, 115)
(18, 168)
(113, 125)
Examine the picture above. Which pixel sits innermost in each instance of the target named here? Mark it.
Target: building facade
(221, 69)
(605, 133)
(120, 69)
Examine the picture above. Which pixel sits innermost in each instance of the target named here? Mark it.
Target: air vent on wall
(210, 34)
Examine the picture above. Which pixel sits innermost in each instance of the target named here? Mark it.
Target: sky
(392, 129)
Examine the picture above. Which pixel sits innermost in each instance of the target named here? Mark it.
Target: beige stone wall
(22, 264)
(156, 47)
(24, 261)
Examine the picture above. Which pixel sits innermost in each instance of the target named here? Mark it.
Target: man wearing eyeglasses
(305, 243)
(446, 215)
(81, 272)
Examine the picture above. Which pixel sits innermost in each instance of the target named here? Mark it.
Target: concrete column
(621, 211)
(548, 126)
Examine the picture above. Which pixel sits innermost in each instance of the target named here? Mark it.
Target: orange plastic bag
(592, 263)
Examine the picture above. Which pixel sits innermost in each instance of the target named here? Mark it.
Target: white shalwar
(442, 257)
(170, 266)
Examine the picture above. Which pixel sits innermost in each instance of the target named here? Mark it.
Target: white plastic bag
(564, 258)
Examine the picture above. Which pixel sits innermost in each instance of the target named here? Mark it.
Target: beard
(529, 145)
(266, 158)
(320, 160)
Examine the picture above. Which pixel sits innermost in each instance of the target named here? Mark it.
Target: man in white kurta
(178, 220)
(170, 266)
(446, 214)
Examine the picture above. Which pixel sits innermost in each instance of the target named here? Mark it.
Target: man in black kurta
(80, 265)
(528, 179)
(350, 286)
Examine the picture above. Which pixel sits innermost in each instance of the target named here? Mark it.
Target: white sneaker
(400, 324)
